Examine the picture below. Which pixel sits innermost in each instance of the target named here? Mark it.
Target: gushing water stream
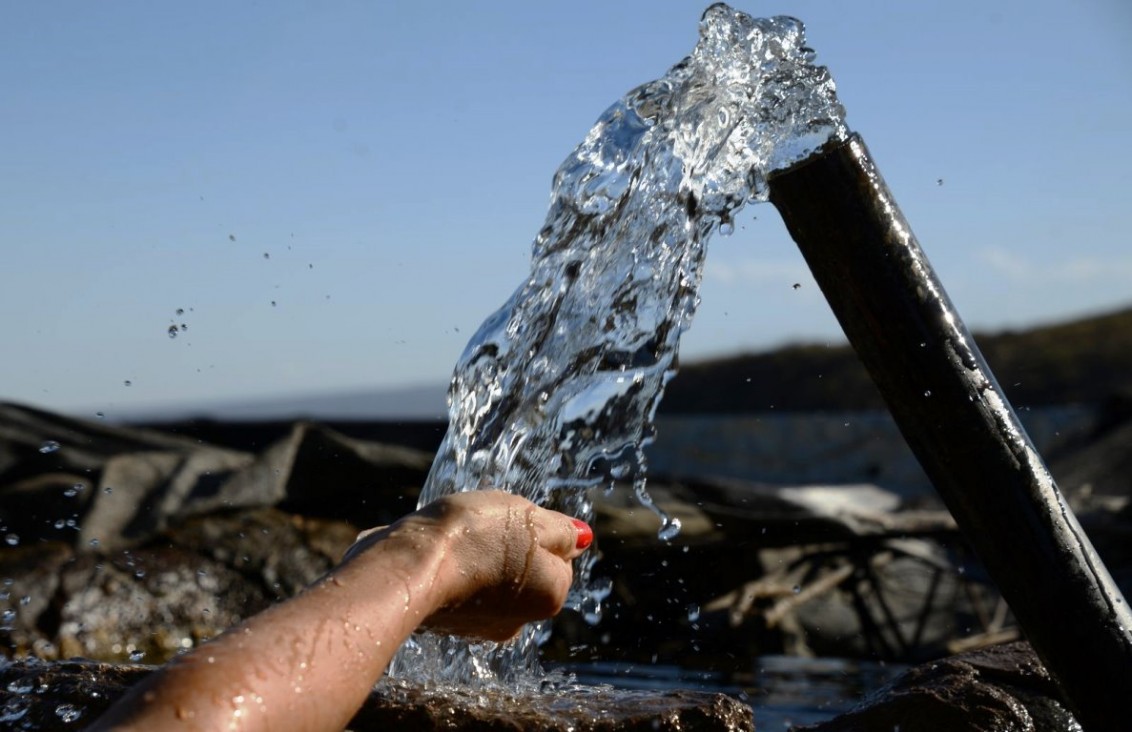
(554, 396)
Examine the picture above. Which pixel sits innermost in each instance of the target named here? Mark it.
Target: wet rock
(39, 696)
(36, 695)
(999, 689)
(280, 552)
(154, 601)
(147, 604)
(579, 709)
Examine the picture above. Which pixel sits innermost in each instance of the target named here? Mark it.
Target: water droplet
(669, 530)
(14, 709)
(266, 255)
(136, 656)
(797, 589)
(100, 415)
(20, 686)
(94, 543)
(68, 713)
(172, 331)
(231, 237)
(107, 490)
(180, 311)
(49, 446)
(928, 393)
(25, 600)
(74, 490)
(12, 539)
(8, 617)
(127, 382)
(693, 613)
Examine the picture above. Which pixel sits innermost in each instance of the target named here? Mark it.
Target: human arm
(481, 563)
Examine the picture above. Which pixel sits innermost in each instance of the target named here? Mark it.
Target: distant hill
(1084, 361)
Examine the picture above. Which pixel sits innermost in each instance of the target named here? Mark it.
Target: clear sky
(337, 193)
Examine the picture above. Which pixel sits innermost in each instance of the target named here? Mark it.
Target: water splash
(555, 394)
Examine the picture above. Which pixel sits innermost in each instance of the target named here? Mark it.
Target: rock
(1000, 689)
(1099, 471)
(103, 487)
(36, 695)
(153, 601)
(723, 591)
(60, 695)
(577, 709)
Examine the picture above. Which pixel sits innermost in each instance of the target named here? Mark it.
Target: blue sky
(337, 194)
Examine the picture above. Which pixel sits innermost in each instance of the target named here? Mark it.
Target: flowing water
(554, 396)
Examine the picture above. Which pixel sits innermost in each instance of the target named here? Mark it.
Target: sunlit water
(782, 691)
(554, 396)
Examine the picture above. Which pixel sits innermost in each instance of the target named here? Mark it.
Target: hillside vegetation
(1084, 361)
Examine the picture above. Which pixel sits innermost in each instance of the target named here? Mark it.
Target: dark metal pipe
(959, 424)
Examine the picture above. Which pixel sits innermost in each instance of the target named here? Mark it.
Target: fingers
(497, 612)
(561, 535)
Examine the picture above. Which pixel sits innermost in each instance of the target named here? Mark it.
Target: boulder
(999, 689)
(104, 487)
(153, 601)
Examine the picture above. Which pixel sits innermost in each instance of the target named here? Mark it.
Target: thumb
(564, 536)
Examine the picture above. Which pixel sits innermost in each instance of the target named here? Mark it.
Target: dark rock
(578, 709)
(154, 601)
(999, 689)
(1101, 468)
(102, 487)
(146, 603)
(61, 695)
(772, 569)
(36, 695)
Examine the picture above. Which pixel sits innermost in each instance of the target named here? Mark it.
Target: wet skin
(480, 564)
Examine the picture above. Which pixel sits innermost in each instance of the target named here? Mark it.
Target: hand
(504, 561)
(481, 564)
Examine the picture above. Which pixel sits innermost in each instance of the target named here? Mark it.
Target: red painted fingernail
(585, 533)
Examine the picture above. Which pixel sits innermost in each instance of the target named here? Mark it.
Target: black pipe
(959, 424)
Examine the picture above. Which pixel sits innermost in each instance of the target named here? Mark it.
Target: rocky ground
(125, 545)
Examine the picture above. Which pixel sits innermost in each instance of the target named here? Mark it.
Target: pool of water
(783, 691)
